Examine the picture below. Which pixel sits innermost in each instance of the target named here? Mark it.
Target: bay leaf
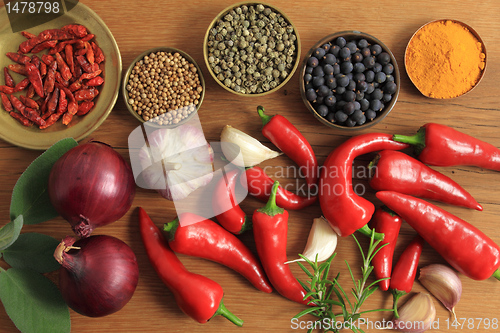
(10, 232)
(33, 302)
(34, 251)
(30, 196)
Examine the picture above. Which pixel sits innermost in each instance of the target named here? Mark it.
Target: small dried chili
(226, 209)
(440, 145)
(19, 58)
(33, 115)
(460, 243)
(387, 222)
(43, 46)
(63, 67)
(76, 30)
(85, 94)
(9, 81)
(29, 44)
(84, 108)
(7, 90)
(290, 141)
(259, 185)
(97, 81)
(50, 78)
(29, 102)
(35, 78)
(22, 119)
(98, 54)
(198, 296)
(203, 238)
(7, 105)
(396, 171)
(22, 85)
(405, 270)
(17, 68)
(270, 227)
(341, 206)
(27, 35)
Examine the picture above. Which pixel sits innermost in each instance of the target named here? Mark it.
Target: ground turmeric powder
(444, 59)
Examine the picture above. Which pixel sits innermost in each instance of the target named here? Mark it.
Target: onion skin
(99, 274)
(90, 186)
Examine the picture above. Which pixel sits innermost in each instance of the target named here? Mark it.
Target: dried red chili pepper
(7, 90)
(440, 145)
(98, 54)
(50, 78)
(228, 211)
(270, 227)
(76, 30)
(88, 76)
(43, 46)
(48, 59)
(62, 106)
(35, 78)
(60, 80)
(18, 58)
(33, 115)
(97, 81)
(16, 103)
(58, 34)
(9, 81)
(17, 68)
(7, 105)
(87, 38)
(29, 44)
(30, 93)
(52, 103)
(89, 53)
(460, 243)
(29, 102)
(43, 69)
(341, 206)
(84, 64)
(206, 239)
(84, 108)
(290, 141)
(27, 35)
(198, 296)
(63, 67)
(405, 270)
(51, 120)
(259, 185)
(396, 171)
(22, 85)
(22, 119)
(68, 51)
(388, 223)
(85, 94)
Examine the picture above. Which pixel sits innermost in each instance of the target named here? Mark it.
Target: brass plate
(80, 127)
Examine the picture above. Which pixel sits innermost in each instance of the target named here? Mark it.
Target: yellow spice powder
(444, 59)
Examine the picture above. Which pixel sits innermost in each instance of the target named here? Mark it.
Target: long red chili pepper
(259, 185)
(290, 141)
(387, 222)
(440, 145)
(461, 244)
(198, 296)
(396, 171)
(341, 206)
(270, 227)
(405, 270)
(206, 239)
(228, 211)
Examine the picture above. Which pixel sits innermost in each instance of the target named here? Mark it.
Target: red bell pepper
(341, 206)
(206, 239)
(227, 210)
(461, 244)
(198, 296)
(259, 185)
(387, 222)
(396, 171)
(290, 141)
(440, 145)
(405, 270)
(270, 227)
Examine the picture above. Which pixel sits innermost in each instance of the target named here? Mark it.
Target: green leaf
(10, 232)
(307, 311)
(34, 251)
(33, 302)
(30, 196)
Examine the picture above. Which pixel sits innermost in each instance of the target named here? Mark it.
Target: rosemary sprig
(326, 294)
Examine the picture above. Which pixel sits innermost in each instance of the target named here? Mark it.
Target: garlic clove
(322, 241)
(444, 283)
(416, 315)
(235, 142)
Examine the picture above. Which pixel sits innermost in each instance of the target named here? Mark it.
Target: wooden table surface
(141, 25)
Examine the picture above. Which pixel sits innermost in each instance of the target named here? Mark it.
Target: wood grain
(140, 25)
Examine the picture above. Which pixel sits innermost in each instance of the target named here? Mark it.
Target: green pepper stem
(223, 311)
(365, 230)
(271, 208)
(396, 294)
(171, 227)
(496, 274)
(417, 140)
(247, 225)
(265, 118)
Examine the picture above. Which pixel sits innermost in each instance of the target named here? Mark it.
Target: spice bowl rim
(248, 3)
(140, 57)
(472, 31)
(350, 34)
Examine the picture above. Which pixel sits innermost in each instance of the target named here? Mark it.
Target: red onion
(99, 274)
(91, 185)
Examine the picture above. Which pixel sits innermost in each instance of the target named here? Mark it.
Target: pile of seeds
(252, 49)
(164, 88)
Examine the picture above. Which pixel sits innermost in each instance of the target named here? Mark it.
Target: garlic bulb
(177, 161)
(444, 283)
(322, 241)
(252, 151)
(416, 315)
